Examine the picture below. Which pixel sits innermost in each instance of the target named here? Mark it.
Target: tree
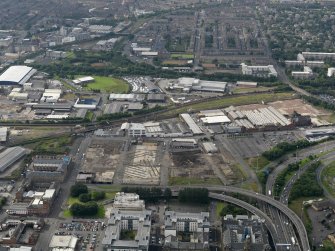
(88, 209)
(98, 195)
(167, 194)
(194, 195)
(85, 197)
(78, 189)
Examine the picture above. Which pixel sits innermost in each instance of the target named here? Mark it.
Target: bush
(98, 195)
(81, 210)
(85, 197)
(78, 189)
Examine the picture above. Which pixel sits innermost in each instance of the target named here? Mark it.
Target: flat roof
(63, 241)
(215, 119)
(16, 74)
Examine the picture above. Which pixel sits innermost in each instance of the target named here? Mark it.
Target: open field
(327, 178)
(174, 62)
(174, 181)
(57, 145)
(231, 100)
(182, 56)
(108, 84)
(297, 207)
(257, 163)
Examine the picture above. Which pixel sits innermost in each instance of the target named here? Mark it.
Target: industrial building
(16, 75)
(51, 95)
(9, 156)
(192, 84)
(134, 129)
(246, 84)
(48, 168)
(182, 145)
(59, 107)
(215, 120)
(195, 223)
(242, 233)
(112, 108)
(83, 80)
(191, 123)
(87, 103)
(259, 71)
(3, 134)
(156, 97)
(131, 107)
(127, 97)
(209, 147)
(121, 220)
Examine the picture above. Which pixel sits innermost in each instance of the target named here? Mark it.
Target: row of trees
(194, 195)
(149, 194)
(285, 147)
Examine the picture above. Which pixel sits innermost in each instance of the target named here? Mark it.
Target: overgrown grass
(190, 181)
(108, 84)
(182, 56)
(231, 100)
(327, 177)
(219, 207)
(57, 145)
(258, 163)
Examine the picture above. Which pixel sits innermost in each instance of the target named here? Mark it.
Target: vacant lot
(108, 84)
(232, 100)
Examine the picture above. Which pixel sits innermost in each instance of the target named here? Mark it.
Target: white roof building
(63, 243)
(18, 74)
(128, 201)
(3, 134)
(331, 72)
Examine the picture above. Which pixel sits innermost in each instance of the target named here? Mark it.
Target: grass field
(191, 181)
(258, 163)
(219, 207)
(182, 56)
(108, 84)
(327, 178)
(231, 100)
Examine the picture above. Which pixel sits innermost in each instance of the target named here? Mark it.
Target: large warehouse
(16, 75)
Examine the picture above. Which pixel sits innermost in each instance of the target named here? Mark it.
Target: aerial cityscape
(158, 125)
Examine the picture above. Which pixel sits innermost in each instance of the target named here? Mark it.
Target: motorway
(323, 147)
(319, 178)
(283, 209)
(326, 159)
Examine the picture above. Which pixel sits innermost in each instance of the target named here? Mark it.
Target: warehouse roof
(3, 134)
(10, 156)
(63, 241)
(18, 74)
(215, 120)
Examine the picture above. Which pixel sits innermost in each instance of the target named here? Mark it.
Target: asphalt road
(300, 154)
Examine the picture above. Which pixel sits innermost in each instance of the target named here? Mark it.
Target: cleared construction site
(142, 165)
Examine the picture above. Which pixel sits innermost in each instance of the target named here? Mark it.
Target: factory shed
(209, 147)
(16, 75)
(9, 156)
(215, 120)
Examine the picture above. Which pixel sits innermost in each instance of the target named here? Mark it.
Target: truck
(269, 192)
(293, 240)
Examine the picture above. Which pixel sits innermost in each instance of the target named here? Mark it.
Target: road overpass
(268, 222)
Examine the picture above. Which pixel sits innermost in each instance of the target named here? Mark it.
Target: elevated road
(268, 222)
(280, 206)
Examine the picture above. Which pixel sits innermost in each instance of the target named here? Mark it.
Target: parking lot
(90, 233)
